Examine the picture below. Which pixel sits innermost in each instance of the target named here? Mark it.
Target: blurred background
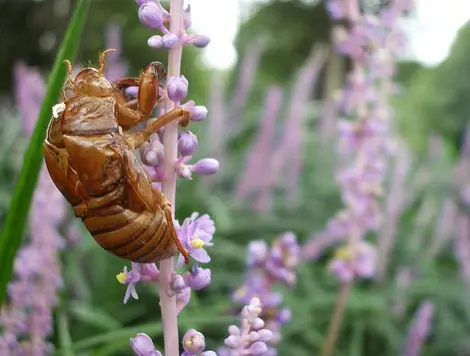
(266, 58)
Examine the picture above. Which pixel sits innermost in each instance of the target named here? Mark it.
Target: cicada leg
(136, 139)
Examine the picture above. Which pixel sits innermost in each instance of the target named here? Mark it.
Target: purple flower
(150, 15)
(169, 40)
(193, 342)
(199, 41)
(198, 113)
(252, 337)
(142, 345)
(146, 272)
(419, 329)
(187, 143)
(354, 262)
(206, 166)
(337, 9)
(195, 233)
(177, 283)
(155, 41)
(26, 320)
(177, 88)
(284, 259)
(199, 278)
(182, 299)
(152, 152)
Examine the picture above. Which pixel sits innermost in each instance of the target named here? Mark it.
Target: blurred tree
(32, 30)
(437, 99)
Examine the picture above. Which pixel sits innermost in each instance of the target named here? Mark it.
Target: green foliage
(290, 29)
(436, 100)
(16, 219)
(92, 319)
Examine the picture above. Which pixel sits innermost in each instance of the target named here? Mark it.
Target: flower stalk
(170, 142)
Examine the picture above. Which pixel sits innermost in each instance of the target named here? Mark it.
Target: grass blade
(17, 216)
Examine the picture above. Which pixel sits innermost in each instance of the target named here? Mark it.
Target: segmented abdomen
(142, 237)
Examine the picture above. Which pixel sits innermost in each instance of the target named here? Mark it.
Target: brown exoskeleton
(91, 161)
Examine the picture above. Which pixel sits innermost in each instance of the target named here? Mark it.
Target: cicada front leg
(137, 139)
(147, 96)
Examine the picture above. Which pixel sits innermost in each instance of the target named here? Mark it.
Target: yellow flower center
(197, 243)
(343, 253)
(121, 277)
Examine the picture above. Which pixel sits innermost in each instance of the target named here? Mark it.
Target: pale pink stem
(167, 302)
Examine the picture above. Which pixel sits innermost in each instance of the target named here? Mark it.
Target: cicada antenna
(69, 70)
(102, 55)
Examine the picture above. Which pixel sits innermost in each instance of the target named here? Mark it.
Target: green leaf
(94, 316)
(15, 223)
(64, 332)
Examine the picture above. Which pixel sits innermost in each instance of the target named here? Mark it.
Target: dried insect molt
(91, 160)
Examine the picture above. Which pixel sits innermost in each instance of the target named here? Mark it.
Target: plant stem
(336, 320)
(167, 302)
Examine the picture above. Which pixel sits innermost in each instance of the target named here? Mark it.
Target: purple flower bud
(182, 299)
(200, 41)
(150, 15)
(234, 330)
(257, 324)
(198, 113)
(152, 153)
(177, 283)
(149, 272)
(155, 41)
(206, 166)
(142, 345)
(177, 88)
(199, 278)
(257, 252)
(265, 335)
(187, 143)
(194, 341)
(169, 40)
(132, 91)
(141, 2)
(232, 341)
(257, 348)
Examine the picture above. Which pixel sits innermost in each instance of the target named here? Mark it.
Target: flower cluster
(194, 344)
(152, 15)
(26, 321)
(195, 233)
(354, 261)
(253, 335)
(164, 161)
(364, 135)
(419, 329)
(266, 268)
